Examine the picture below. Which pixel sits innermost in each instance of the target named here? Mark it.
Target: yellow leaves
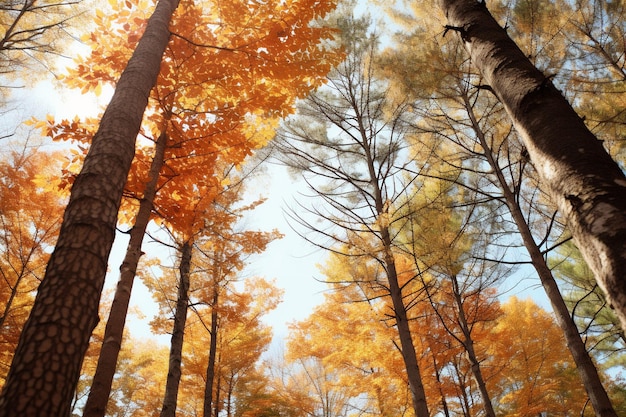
(98, 90)
(528, 345)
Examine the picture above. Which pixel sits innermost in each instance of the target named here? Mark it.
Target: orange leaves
(230, 71)
(74, 130)
(30, 217)
(537, 373)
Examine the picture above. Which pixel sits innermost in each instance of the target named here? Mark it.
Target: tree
(46, 365)
(467, 117)
(351, 136)
(585, 183)
(30, 209)
(206, 228)
(540, 375)
(33, 32)
(236, 342)
(287, 37)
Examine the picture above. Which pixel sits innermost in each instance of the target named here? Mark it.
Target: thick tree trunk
(468, 345)
(176, 349)
(586, 368)
(588, 187)
(48, 359)
(210, 370)
(113, 333)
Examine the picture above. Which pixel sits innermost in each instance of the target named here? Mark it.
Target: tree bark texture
(587, 186)
(47, 362)
(114, 331)
(586, 368)
(176, 349)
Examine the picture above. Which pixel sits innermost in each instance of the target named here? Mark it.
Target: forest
(438, 149)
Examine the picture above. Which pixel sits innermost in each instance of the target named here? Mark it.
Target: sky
(290, 261)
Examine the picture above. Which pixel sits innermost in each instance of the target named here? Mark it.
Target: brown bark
(176, 349)
(113, 333)
(468, 345)
(586, 368)
(407, 348)
(48, 359)
(210, 370)
(587, 186)
(409, 355)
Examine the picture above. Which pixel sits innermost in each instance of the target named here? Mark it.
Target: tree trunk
(406, 341)
(587, 186)
(176, 349)
(113, 333)
(586, 368)
(210, 370)
(47, 362)
(468, 345)
(444, 401)
(218, 390)
(409, 356)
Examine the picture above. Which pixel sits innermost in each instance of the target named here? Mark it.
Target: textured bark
(587, 370)
(113, 333)
(176, 349)
(210, 370)
(47, 361)
(588, 187)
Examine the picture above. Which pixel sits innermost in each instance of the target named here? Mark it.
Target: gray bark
(586, 368)
(587, 186)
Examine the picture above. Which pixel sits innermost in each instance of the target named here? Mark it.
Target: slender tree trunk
(218, 390)
(444, 401)
(9, 303)
(47, 362)
(409, 355)
(468, 345)
(113, 333)
(586, 368)
(210, 370)
(176, 350)
(587, 186)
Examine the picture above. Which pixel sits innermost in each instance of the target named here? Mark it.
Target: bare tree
(348, 144)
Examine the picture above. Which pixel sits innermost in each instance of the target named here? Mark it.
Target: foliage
(30, 214)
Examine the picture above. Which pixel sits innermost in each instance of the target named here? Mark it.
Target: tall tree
(469, 118)
(178, 331)
(585, 183)
(186, 98)
(351, 135)
(47, 361)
